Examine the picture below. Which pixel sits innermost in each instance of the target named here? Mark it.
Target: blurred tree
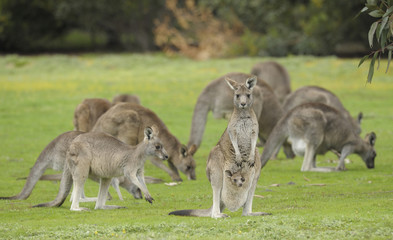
(23, 22)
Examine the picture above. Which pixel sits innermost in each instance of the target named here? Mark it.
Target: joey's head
(367, 151)
(242, 92)
(236, 178)
(154, 145)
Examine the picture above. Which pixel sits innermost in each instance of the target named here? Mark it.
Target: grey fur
(126, 122)
(87, 113)
(315, 128)
(240, 133)
(276, 76)
(218, 98)
(126, 98)
(53, 156)
(103, 156)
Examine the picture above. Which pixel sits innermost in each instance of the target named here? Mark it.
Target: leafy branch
(381, 31)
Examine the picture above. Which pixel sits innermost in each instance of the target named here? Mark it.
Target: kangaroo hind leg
(102, 195)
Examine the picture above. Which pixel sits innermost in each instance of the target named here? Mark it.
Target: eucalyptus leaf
(388, 12)
(371, 69)
(371, 33)
(376, 13)
(363, 59)
(383, 24)
(389, 59)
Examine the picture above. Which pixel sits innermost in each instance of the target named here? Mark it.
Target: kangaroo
(237, 178)
(126, 122)
(276, 76)
(87, 113)
(103, 156)
(315, 128)
(126, 98)
(53, 156)
(223, 159)
(320, 95)
(217, 97)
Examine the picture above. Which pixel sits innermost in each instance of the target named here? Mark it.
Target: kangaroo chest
(245, 130)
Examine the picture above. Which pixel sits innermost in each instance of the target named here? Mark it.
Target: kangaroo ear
(155, 129)
(232, 84)
(372, 137)
(192, 149)
(251, 82)
(228, 173)
(360, 117)
(148, 133)
(183, 150)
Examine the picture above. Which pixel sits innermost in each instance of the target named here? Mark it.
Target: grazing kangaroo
(126, 122)
(218, 98)
(53, 156)
(320, 95)
(223, 159)
(126, 98)
(87, 113)
(103, 156)
(315, 128)
(275, 75)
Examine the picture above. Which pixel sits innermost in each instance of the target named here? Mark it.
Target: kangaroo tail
(192, 212)
(199, 120)
(275, 140)
(36, 172)
(65, 187)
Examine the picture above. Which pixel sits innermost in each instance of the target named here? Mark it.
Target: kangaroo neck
(242, 113)
(138, 151)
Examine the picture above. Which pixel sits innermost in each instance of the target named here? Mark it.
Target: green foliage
(381, 31)
(39, 94)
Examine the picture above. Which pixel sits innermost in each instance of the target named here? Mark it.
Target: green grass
(38, 95)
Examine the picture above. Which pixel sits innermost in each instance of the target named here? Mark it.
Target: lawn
(38, 95)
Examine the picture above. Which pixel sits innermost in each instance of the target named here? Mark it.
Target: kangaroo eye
(237, 95)
(243, 179)
(248, 95)
(235, 180)
(158, 147)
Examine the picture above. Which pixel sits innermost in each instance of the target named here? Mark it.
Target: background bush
(255, 27)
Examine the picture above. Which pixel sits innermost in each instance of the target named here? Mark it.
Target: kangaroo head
(236, 178)
(368, 154)
(187, 163)
(242, 92)
(154, 145)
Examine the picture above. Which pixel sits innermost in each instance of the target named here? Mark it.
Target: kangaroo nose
(166, 157)
(243, 104)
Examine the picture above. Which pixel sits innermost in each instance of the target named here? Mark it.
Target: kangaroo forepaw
(149, 199)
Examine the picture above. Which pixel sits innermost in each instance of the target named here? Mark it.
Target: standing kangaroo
(54, 156)
(276, 76)
(126, 122)
(217, 97)
(316, 94)
(103, 156)
(315, 128)
(224, 158)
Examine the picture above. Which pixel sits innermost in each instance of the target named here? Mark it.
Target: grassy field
(38, 95)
